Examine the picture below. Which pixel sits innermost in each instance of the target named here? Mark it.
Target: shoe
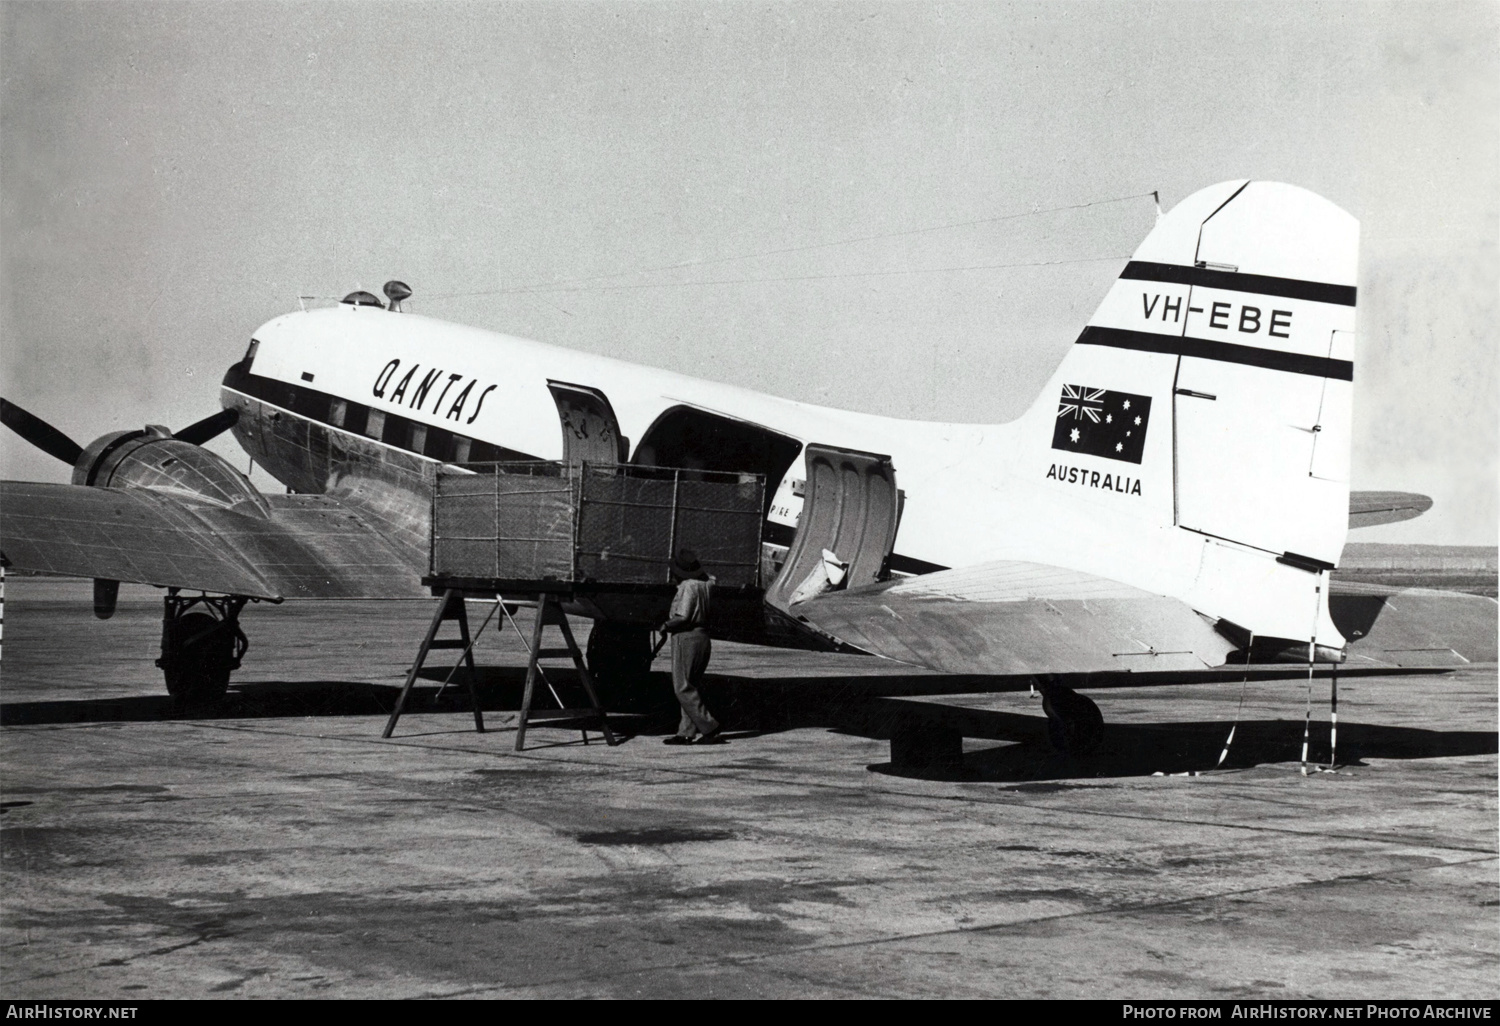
(677, 739)
(711, 738)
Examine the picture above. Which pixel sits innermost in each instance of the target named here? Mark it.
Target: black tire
(198, 659)
(1075, 726)
(619, 658)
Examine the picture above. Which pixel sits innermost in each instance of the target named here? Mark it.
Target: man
(688, 624)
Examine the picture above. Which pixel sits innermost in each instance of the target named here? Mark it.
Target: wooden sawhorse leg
(429, 643)
(546, 606)
(588, 682)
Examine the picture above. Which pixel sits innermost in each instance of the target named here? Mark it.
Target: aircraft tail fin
(1218, 374)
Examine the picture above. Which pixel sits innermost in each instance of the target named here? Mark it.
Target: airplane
(1173, 503)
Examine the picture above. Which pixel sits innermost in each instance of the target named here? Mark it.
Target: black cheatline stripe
(1260, 284)
(315, 405)
(1225, 352)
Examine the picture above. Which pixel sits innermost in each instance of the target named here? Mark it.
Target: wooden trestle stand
(452, 607)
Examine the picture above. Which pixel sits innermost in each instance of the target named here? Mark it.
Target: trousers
(690, 652)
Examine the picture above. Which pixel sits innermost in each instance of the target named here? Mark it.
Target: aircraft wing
(1016, 617)
(310, 547)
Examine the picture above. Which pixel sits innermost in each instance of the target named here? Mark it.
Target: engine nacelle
(152, 459)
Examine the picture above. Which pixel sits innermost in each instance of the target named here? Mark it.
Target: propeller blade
(39, 433)
(208, 427)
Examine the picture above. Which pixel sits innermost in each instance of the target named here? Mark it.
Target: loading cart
(581, 537)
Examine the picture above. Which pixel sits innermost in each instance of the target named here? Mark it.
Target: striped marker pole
(1244, 684)
(1312, 653)
(1227, 742)
(2, 606)
(1333, 715)
(1307, 715)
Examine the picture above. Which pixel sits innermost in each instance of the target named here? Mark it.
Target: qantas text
(433, 383)
(1094, 479)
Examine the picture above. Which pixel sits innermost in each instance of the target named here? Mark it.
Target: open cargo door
(851, 509)
(589, 429)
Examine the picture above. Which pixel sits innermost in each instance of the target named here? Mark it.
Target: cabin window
(418, 438)
(461, 447)
(375, 424)
(336, 411)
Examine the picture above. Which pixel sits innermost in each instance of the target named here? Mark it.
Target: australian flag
(1098, 422)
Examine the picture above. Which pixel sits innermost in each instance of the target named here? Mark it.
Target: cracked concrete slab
(278, 847)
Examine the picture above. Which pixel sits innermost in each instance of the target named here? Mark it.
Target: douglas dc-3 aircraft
(1174, 501)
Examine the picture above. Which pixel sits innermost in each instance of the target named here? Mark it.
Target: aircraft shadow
(855, 706)
(1133, 750)
(500, 689)
(852, 705)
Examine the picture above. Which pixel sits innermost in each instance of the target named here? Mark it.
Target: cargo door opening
(698, 440)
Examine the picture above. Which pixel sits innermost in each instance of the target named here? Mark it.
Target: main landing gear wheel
(619, 658)
(1075, 726)
(200, 649)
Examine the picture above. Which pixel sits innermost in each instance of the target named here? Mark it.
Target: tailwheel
(619, 658)
(201, 644)
(1075, 725)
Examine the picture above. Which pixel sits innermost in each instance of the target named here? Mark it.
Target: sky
(908, 209)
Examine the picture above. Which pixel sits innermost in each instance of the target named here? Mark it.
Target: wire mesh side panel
(463, 527)
(602, 523)
(624, 526)
(719, 518)
(630, 522)
(510, 526)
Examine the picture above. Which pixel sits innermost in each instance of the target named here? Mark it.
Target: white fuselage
(974, 493)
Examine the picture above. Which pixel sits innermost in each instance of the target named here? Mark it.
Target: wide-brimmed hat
(686, 566)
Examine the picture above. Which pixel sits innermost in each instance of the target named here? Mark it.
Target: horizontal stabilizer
(1367, 509)
(1414, 626)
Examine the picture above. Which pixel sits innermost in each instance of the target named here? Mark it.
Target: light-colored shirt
(691, 604)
